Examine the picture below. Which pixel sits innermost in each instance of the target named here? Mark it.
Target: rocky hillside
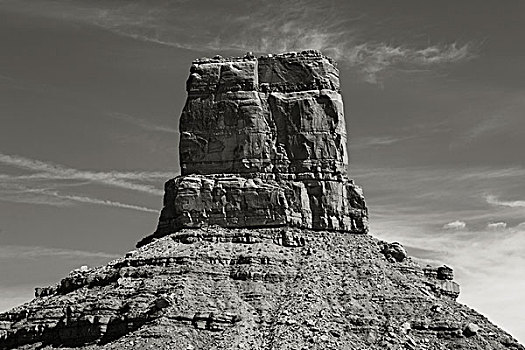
(220, 288)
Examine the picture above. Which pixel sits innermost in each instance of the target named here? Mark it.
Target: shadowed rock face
(263, 143)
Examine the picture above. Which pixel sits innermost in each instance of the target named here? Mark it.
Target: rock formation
(263, 143)
(258, 243)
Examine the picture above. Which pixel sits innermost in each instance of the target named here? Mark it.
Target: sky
(91, 93)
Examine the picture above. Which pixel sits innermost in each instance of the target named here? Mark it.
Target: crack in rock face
(263, 144)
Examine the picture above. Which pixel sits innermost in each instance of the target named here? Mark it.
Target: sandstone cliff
(262, 241)
(263, 143)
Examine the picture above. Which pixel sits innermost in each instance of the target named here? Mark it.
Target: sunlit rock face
(263, 143)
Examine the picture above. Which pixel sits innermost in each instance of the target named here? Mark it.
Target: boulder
(394, 251)
(471, 329)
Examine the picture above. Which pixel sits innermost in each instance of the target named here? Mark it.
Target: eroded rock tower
(263, 143)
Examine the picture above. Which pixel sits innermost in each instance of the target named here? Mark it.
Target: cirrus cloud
(513, 204)
(455, 225)
(497, 226)
(265, 26)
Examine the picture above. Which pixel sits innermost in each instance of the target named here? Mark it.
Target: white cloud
(275, 27)
(513, 204)
(43, 187)
(455, 225)
(374, 58)
(375, 141)
(144, 124)
(54, 171)
(483, 174)
(91, 200)
(496, 226)
(41, 196)
(35, 252)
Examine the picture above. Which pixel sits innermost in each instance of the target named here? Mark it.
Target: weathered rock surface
(263, 144)
(329, 202)
(280, 113)
(220, 288)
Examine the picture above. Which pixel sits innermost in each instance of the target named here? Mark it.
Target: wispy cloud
(487, 125)
(34, 252)
(269, 27)
(144, 124)
(374, 58)
(455, 225)
(90, 200)
(497, 225)
(17, 193)
(450, 199)
(41, 196)
(513, 204)
(51, 170)
(486, 173)
(375, 141)
(51, 182)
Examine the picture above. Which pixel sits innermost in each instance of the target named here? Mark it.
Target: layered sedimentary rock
(280, 113)
(267, 289)
(263, 143)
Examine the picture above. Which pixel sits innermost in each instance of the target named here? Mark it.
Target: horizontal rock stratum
(263, 143)
(260, 289)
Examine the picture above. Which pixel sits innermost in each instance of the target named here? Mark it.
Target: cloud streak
(512, 204)
(455, 225)
(497, 225)
(54, 171)
(41, 196)
(36, 252)
(265, 27)
(374, 58)
(42, 187)
(144, 124)
(96, 201)
(379, 141)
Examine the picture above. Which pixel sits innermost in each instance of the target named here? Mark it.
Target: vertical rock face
(263, 143)
(278, 114)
